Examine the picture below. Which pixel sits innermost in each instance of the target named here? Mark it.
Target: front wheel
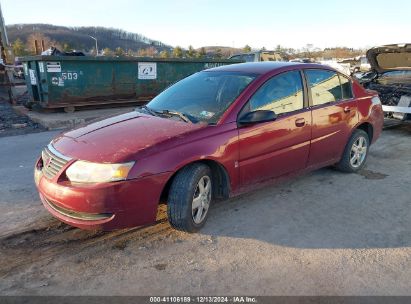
(355, 152)
(190, 198)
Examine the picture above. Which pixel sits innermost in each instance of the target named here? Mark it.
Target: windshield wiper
(151, 112)
(182, 116)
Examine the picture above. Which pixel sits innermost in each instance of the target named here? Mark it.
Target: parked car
(258, 56)
(212, 135)
(303, 60)
(341, 67)
(357, 65)
(390, 76)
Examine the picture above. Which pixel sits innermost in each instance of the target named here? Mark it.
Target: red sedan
(212, 135)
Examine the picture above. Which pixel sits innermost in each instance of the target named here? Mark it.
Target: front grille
(75, 214)
(53, 161)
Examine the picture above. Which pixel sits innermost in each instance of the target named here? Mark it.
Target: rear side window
(325, 86)
(281, 94)
(346, 87)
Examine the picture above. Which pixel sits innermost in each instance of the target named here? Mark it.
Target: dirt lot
(12, 123)
(324, 233)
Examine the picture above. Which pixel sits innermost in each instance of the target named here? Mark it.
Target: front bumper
(106, 206)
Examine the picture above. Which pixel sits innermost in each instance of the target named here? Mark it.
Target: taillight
(376, 100)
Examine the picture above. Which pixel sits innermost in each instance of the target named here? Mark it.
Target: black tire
(181, 195)
(345, 164)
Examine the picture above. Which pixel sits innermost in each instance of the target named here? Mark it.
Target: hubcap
(201, 200)
(358, 152)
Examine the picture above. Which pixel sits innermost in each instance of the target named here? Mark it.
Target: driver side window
(281, 94)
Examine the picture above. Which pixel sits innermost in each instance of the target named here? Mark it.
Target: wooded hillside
(78, 37)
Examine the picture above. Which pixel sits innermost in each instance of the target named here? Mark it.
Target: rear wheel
(190, 198)
(355, 152)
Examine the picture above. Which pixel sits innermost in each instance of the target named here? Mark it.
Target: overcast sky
(290, 23)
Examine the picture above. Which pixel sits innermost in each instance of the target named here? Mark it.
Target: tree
(218, 53)
(178, 52)
(66, 47)
(247, 48)
(151, 51)
(19, 48)
(147, 52)
(119, 52)
(291, 51)
(130, 53)
(202, 53)
(165, 54)
(141, 53)
(307, 50)
(191, 52)
(108, 52)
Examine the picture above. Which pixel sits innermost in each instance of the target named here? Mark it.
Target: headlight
(86, 172)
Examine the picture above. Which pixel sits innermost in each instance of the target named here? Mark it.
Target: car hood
(390, 57)
(119, 138)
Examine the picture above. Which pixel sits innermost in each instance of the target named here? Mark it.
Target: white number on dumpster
(69, 76)
(33, 79)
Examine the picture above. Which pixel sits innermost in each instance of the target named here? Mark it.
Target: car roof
(264, 67)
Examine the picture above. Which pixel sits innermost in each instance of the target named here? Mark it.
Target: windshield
(202, 97)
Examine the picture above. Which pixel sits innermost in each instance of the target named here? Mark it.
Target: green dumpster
(68, 82)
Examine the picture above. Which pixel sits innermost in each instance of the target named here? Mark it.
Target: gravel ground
(323, 233)
(12, 123)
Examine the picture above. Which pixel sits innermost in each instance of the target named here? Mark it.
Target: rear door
(334, 114)
(271, 149)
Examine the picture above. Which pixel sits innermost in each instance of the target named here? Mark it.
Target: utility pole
(4, 41)
(95, 39)
(5, 74)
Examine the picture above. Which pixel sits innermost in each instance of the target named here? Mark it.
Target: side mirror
(255, 117)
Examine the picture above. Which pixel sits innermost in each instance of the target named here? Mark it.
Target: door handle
(347, 110)
(300, 122)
